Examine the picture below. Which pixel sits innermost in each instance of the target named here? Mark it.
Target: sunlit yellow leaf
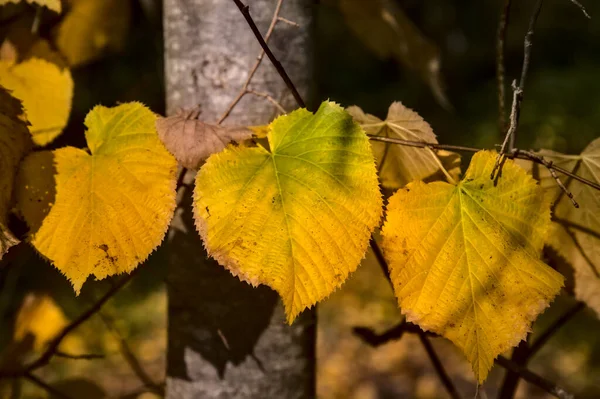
(399, 165)
(576, 233)
(40, 318)
(297, 218)
(465, 258)
(15, 142)
(46, 92)
(53, 5)
(112, 207)
(91, 28)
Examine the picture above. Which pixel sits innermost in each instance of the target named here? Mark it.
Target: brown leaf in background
(399, 165)
(192, 141)
(384, 28)
(576, 231)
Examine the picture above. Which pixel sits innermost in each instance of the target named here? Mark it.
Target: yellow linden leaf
(91, 28)
(297, 218)
(40, 318)
(399, 165)
(46, 92)
(465, 259)
(112, 207)
(15, 142)
(53, 5)
(576, 233)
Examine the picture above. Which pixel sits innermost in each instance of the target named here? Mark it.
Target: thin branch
(252, 72)
(517, 153)
(519, 357)
(533, 378)
(269, 99)
(401, 328)
(287, 21)
(396, 333)
(54, 393)
(560, 322)
(582, 8)
(439, 367)
(52, 348)
(131, 358)
(500, 69)
(509, 140)
(245, 10)
(89, 356)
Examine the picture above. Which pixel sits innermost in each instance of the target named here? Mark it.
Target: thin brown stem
(54, 393)
(500, 68)
(519, 154)
(52, 348)
(554, 327)
(86, 356)
(252, 72)
(131, 358)
(582, 8)
(269, 99)
(245, 10)
(438, 366)
(533, 378)
(518, 91)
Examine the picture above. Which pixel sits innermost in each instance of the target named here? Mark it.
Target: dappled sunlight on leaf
(112, 206)
(465, 258)
(298, 218)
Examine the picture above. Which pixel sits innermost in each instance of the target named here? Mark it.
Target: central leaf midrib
(287, 225)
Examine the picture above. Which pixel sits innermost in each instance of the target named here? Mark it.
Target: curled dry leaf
(399, 165)
(15, 142)
(576, 231)
(464, 259)
(192, 141)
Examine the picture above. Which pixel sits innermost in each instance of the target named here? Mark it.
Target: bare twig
(131, 358)
(554, 327)
(280, 70)
(398, 330)
(87, 356)
(533, 378)
(582, 8)
(268, 98)
(500, 69)
(396, 333)
(252, 72)
(519, 154)
(519, 357)
(287, 21)
(509, 139)
(52, 348)
(437, 365)
(54, 393)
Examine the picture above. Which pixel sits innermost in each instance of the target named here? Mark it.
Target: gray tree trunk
(225, 338)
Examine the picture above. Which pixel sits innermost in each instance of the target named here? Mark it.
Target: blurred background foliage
(437, 57)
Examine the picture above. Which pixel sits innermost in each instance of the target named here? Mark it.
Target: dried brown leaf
(191, 141)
